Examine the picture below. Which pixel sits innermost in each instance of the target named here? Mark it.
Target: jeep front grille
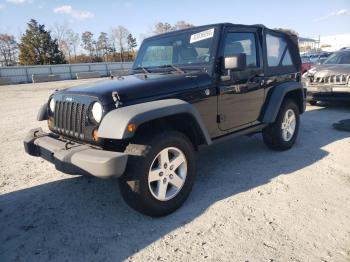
(69, 119)
(331, 80)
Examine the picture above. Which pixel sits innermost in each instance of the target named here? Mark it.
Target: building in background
(308, 44)
(334, 42)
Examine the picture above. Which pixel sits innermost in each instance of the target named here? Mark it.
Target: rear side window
(277, 50)
(287, 60)
(236, 43)
(345, 58)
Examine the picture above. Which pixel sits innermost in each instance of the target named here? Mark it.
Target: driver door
(241, 96)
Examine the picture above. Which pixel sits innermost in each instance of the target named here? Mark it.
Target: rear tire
(281, 135)
(148, 185)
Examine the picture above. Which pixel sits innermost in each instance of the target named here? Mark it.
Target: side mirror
(236, 62)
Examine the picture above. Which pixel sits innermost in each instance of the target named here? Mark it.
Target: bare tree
(73, 41)
(88, 43)
(102, 45)
(160, 28)
(182, 25)
(112, 46)
(59, 31)
(8, 50)
(64, 47)
(68, 40)
(120, 36)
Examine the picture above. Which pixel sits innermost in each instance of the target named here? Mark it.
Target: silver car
(329, 81)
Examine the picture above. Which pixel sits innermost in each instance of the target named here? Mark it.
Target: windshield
(338, 58)
(181, 49)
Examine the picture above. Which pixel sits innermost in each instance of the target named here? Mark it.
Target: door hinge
(220, 118)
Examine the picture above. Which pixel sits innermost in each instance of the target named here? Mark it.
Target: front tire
(159, 182)
(281, 135)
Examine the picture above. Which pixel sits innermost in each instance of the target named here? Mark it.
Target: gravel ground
(248, 203)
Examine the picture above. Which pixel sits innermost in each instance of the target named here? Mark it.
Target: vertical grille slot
(64, 117)
(79, 111)
(83, 121)
(74, 119)
(60, 118)
(69, 119)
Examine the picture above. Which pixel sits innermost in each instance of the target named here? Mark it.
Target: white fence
(24, 74)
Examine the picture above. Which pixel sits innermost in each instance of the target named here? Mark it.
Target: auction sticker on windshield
(202, 35)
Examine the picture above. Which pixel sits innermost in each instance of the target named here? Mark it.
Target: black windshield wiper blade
(174, 67)
(144, 69)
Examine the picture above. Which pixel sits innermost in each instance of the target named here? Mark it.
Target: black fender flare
(276, 98)
(42, 114)
(115, 124)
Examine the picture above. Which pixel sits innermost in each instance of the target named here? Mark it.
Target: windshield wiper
(144, 69)
(174, 67)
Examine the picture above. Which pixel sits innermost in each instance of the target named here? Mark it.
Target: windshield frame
(208, 66)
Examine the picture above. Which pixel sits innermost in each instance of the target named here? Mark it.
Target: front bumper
(75, 158)
(329, 93)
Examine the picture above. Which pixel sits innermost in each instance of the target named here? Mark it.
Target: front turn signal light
(95, 135)
(131, 128)
(50, 122)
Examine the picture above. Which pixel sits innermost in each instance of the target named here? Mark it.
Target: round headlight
(52, 105)
(96, 112)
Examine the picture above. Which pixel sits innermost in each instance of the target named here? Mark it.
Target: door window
(237, 43)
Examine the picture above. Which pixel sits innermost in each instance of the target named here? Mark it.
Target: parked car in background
(306, 65)
(316, 58)
(329, 81)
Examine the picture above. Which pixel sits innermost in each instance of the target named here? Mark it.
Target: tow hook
(66, 146)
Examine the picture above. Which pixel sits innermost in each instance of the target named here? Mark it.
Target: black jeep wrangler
(186, 89)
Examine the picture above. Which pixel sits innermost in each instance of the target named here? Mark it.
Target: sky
(310, 18)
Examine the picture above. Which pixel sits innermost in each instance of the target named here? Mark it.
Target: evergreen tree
(38, 48)
(131, 45)
(131, 42)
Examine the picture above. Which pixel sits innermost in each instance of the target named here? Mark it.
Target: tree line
(60, 45)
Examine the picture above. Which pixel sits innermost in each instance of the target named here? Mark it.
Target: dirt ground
(248, 203)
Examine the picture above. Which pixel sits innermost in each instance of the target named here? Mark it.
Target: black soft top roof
(217, 25)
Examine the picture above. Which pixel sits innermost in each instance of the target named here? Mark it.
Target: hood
(137, 87)
(330, 70)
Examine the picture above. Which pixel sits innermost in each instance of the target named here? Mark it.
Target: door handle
(258, 80)
(226, 89)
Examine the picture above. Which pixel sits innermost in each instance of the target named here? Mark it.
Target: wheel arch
(169, 113)
(182, 122)
(292, 90)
